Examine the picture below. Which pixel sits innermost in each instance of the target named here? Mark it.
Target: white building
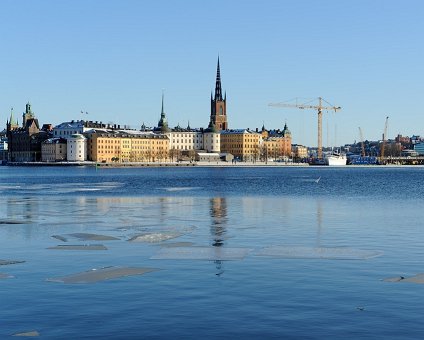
(67, 129)
(76, 148)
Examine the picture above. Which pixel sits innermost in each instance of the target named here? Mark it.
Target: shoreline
(196, 164)
(157, 164)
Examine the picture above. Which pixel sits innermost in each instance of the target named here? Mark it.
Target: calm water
(241, 210)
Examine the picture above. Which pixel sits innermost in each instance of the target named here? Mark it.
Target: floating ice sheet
(419, 278)
(155, 237)
(79, 247)
(60, 238)
(92, 237)
(298, 252)
(31, 333)
(102, 274)
(201, 253)
(172, 189)
(6, 262)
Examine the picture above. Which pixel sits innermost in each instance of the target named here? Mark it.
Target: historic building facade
(76, 148)
(24, 143)
(187, 139)
(53, 150)
(113, 146)
(276, 143)
(242, 143)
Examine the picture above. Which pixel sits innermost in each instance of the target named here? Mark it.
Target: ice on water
(6, 262)
(419, 278)
(302, 252)
(155, 237)
(102, 274)
(92, 237)
(79, 247)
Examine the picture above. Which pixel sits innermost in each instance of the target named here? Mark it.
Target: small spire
(188, 126)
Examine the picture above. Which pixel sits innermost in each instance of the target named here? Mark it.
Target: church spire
(218, 90)
(163, 123)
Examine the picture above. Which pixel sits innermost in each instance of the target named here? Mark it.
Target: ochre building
(243, 144)
(105, 146)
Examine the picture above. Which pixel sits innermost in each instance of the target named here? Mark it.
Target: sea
(212, 252)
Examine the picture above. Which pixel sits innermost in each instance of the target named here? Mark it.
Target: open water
(298, 253)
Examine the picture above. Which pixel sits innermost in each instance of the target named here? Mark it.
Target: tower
(163, 122)
(218, 105)
(28, 114)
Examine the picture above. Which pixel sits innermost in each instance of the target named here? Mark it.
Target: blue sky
(113, 58)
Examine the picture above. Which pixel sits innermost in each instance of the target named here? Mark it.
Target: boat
(336, 159)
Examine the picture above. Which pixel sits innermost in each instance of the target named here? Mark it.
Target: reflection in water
(319, 222)
(218, 211)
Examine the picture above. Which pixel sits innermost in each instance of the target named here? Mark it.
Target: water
(220, 212)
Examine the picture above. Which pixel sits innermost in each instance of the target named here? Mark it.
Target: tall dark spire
(218, 90)
(163, 123)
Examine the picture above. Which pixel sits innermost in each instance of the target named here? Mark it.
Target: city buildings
(80, 140)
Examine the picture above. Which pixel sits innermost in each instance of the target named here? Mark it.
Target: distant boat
(336, 159)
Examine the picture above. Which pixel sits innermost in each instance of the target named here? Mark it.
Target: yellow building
(244, 144)
(276, 144)
(107, 146)
(300, 151)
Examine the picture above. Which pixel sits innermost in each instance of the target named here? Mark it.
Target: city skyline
(112, 59)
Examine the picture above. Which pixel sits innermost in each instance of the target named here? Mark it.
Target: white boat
(336, 159)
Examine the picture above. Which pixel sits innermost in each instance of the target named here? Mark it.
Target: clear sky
(112, 58)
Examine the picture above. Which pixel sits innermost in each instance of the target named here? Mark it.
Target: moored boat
(336, 159)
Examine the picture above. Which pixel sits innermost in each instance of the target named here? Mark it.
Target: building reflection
(218, 213)
(319, 222)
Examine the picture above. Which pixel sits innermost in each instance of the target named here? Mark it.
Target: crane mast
(384, 140)
(319, 108)
(361, 136)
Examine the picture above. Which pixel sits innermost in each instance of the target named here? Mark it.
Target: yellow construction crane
(361, 136)
(383, 146)
(318, 107)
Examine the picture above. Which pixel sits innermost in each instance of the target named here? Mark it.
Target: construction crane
(361, 136)
(383, 146)
(318, 107)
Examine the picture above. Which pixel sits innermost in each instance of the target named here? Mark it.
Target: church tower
(163, 122)
(218, 105)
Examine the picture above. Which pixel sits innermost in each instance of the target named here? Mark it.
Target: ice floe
(60, 238)
(30, 334)
(102, 274)
(6, 262)
(419, 278)
(155, 237)
(92, 237)
(300, 252)
(79, 247)
(201, 253)
(172, 189)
